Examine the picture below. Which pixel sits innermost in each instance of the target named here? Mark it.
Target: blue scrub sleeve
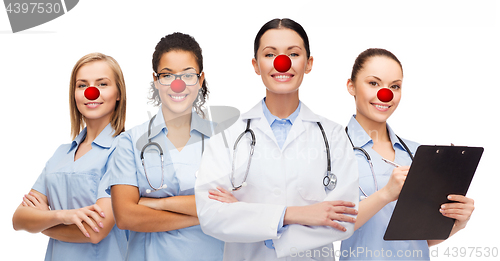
(122, 165)
(282, 228)
(40, 184)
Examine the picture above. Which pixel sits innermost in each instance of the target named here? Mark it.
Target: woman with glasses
(68, 202)
(154, 165)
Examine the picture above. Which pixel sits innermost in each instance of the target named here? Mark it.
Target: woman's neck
(282, 105)
(376, 130)
(175, 120)
(95, 127)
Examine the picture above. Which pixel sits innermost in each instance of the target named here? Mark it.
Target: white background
(449, 51)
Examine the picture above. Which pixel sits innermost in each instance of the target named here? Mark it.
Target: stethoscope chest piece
(330, 180)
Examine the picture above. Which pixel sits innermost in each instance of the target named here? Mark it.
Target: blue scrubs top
(179, 175)
(70, 184)
(367, 242)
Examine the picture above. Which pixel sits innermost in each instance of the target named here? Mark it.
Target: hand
(90, 215)
(395, 183)
(322, 214)
(460, 210)
(33, 200)
(222, 195)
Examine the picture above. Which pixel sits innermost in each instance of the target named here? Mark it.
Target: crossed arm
(93, 223)
(89, 224)
(151, 215)
(325, 213)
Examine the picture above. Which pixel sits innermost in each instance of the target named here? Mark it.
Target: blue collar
(197, 124)
(271, 118)
(104, 139)
(360, 138)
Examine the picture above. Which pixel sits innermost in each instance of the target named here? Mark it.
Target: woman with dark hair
(68, 202)
(378, 70)
(154, 165)
(281, 162)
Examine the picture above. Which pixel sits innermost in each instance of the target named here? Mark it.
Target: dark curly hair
(180, 42)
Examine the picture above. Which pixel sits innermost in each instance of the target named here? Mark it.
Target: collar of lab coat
(259, 121)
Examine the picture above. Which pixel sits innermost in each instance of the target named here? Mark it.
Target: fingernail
(443, 206)
(450, 197)
(102, 215)
(101, 225)
(96, 229)
(87, 234)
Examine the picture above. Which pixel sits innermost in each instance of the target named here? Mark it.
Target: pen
(391, 163)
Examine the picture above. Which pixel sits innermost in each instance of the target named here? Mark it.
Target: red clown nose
(178, 85)
(282, 63)
(91, 93)
(385, 95)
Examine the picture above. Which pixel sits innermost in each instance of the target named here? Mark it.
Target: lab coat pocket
(310, 187)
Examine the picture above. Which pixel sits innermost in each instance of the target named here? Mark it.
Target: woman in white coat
(279, 207)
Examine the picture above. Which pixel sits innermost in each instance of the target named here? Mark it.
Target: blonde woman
(68, 202)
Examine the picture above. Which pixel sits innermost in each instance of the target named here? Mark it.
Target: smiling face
(178, 62)
(376, 73)
(99, 75)
(282, 41)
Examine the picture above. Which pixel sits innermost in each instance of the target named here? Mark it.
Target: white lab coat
(291, 176)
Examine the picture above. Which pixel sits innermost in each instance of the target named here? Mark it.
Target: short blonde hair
(118, 117)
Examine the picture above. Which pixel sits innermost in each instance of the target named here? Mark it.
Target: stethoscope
(370, 160)
(329, 181)
(154, 144)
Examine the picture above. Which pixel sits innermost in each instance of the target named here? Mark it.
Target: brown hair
(118, 117)
(367, 54)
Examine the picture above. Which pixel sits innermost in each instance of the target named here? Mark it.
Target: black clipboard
(435, 172)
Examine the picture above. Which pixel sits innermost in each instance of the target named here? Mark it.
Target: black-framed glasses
(188, 78)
